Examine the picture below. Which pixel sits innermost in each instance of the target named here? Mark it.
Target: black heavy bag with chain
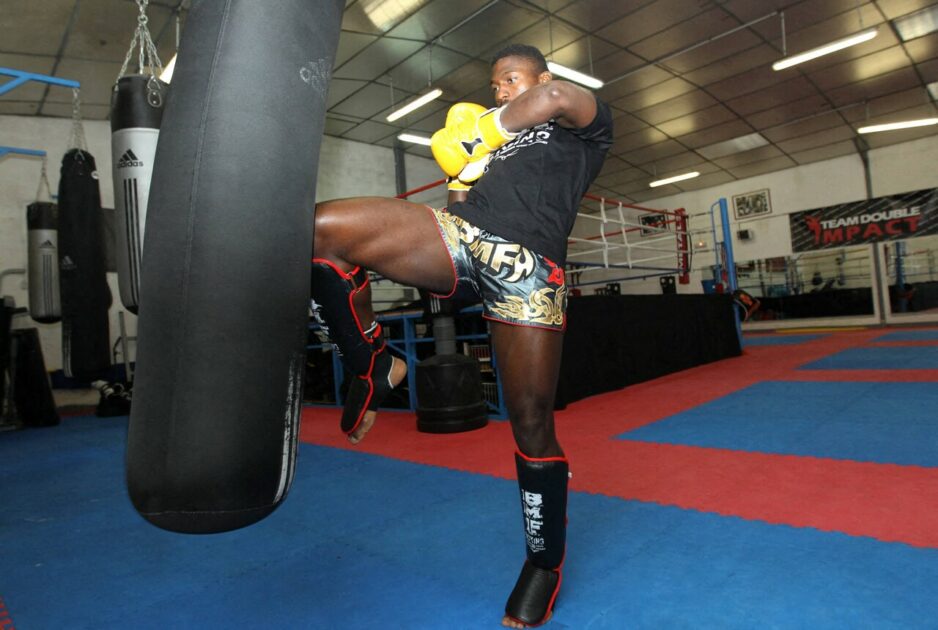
(86, 298)
(136, 110)
(225, 273)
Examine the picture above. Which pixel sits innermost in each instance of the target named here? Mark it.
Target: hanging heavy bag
(43, 256)
(136, 110)
(86, 349)
(225, 274)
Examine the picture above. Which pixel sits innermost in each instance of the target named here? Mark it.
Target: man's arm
(456, 195)
(568, 104)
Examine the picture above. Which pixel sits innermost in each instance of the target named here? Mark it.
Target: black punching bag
(225, 272)
(86, 344)
(136, 110)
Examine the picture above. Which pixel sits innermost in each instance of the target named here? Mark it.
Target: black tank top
(533, 185)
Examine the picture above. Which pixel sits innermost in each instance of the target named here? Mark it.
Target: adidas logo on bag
(129, 160)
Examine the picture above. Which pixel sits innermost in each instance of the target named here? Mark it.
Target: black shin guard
(361, 347)
(543, 485)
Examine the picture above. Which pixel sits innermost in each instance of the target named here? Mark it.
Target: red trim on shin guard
(357, 288)
(522, 603)
(377, 390)
(557, 458)
(371, 392)
(542, 482)
(362, 351)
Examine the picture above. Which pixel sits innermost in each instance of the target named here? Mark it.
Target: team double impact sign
(868, 221)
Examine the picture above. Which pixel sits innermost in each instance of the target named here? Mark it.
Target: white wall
(894, 169)
(346, 169)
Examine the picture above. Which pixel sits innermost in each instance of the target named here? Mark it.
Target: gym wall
(894, 169)
(347, 169)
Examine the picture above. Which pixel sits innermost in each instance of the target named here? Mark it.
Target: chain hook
(154, 92)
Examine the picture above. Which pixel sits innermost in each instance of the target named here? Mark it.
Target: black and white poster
(751, 205)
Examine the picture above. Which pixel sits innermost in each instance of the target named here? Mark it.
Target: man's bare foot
(398, 372)
(508, 622)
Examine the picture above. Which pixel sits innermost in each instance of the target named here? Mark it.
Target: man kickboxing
(518, 172)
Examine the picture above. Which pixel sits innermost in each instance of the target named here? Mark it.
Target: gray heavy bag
(136, 110)
(223, 315)
(45, 306)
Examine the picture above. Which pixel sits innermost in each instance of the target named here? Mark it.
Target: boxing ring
(646, 240)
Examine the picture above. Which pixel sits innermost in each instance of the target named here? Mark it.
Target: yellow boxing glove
(465, 114)
(454, 184)
(468, 140)
(462, 113)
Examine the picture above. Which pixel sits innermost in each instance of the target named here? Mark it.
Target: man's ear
(544, 77)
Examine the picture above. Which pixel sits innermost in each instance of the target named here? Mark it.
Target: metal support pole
(730, 262)
(20, 77)
(15, 150)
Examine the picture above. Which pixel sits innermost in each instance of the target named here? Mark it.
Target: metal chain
(147, 56)
(77, 138)
(44, 180)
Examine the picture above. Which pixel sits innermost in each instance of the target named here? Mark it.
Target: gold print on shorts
(450, 225)
(468, 233)
(540, 307)
(498, 256)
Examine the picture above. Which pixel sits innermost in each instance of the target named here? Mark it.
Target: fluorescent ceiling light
(733, 145)
(917, 24)
(671, 180)
(573, 75)
(167, 75)
(933, 90)
(420, 102)
(386, 13)
(827, 49)
(409, 137)
(908, 124)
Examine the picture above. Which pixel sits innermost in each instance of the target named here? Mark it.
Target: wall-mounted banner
(868, 221)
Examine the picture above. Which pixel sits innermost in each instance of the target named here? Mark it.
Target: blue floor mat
(910, 335)
(778, 340)
(898, 358)
(369, 542)
(874, 422)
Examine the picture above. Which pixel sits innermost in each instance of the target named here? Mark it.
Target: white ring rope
(603, 247)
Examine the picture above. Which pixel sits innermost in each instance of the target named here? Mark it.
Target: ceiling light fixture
(734, 145)
(167, 74)
(826, 49)
(420, 102)
(933, 90)
(409, 137)
(917, 24)
(671, 180)
(908, 124)
(386, 13)
(573, 75)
